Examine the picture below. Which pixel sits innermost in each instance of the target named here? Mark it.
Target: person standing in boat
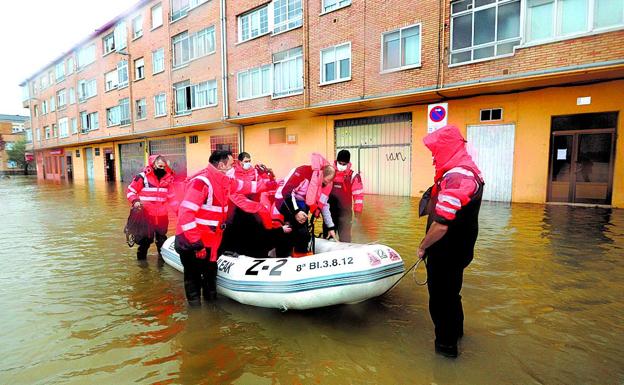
(452, 229)
(153, 191)
(346, 198)
(201, 221)
(305, 190)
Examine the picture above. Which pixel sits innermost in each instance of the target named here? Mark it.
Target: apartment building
(536, 86)
(12, 129)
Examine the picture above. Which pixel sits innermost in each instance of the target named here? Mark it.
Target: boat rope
(415, 268)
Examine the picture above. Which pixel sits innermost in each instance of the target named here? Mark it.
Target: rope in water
(415, 268)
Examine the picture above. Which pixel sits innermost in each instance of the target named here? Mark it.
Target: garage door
(132, 157)
(493, 153)
(381, 149)
(174, 150)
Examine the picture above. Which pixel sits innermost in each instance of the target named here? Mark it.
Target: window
(189, 47)
(110, 80)
(74, 126)
(52, 104)
(38, 135)
(157, 19)
(36, 110)
(70, 65)
(277, 135)
(139, 69)
(59, 70)
(336, 63)
(288, 72)
(48, 132)
(180, 8)
(137, 27)
(491, 114)
(330, 5)
(158, 61)
(60, 97)
(190, 97)
(124, 111)
(484, 31)
(551, 19)
(77, 153)
(44, 107)
(160, 105)
(141, 109)
(86, 56)
(63, 126)
(86, 89)
(29, 136)
(51, 77)
(72, 96)
(401, 48)
(108, 43)
(287, 14)
(54, 130)
(122, 74)
(88, 121)
(44, 81)
(193, 139)
(96, 151)
(121, 36)
(119, 114)
(253, 24)
(254, 83)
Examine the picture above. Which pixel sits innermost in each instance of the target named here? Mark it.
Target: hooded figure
(152, 190)
(452, 228)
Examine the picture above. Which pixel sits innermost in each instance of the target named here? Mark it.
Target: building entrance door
(581, 161)
(70, 171)
(89, 162)
(109, 164)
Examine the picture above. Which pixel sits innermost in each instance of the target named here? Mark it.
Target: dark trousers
(200, 275)
(158, 231)
(444, 282)
(299, 238)
(342, 222)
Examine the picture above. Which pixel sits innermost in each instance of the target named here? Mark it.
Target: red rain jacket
(155, 195)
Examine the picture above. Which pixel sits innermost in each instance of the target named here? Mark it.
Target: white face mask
(341, 167)
(246, 166)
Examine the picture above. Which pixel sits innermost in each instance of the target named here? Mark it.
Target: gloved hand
(200, 254)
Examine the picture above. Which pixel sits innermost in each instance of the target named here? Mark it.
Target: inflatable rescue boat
(339, 273)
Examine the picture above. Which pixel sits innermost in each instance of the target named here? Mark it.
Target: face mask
(159, 172)
(246, 166)
(341, 167)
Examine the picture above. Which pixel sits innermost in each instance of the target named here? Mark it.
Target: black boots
(192, 292)
(449, 351)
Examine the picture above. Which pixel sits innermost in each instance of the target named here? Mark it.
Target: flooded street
(543, 303)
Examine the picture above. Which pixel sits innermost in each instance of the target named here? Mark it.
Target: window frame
(401, 67)
(191, 41)
(162, 60)
(291, 92)
(140, 107)
(164, 102)
(137, 33)
(287, 22)
(248, 72)
(248, 14)
(324, 9)
(322, 74)
(139, 70)
(153, 27)
(496, 4)
(62, 92)
(63, 125)
(105, 45)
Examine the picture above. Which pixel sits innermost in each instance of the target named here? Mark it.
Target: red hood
(448, 148)
(168, 178)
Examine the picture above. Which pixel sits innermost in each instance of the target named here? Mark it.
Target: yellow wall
(530, 112)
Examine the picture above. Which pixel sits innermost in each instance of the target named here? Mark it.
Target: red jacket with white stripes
(155, 194)
(348, 189)
(203, 212)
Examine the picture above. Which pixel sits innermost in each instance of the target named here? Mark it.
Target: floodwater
(543, 303)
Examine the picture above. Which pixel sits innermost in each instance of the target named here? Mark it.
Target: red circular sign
(437, 114)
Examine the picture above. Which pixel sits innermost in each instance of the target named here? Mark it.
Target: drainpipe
(241, 138)
(224, 69)
(306, 53)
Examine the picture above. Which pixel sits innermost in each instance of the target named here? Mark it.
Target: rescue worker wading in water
(201, 221)
(346, 198)
(153, 191)
(452, 229)
(305, 189)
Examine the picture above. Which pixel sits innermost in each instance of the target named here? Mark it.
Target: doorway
(582, 154)
(70, 171)
(89, 162)
(109, 164)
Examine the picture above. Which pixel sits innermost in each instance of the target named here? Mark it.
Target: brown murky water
(543, 302)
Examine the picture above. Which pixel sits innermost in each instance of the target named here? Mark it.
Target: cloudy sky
(35, 32)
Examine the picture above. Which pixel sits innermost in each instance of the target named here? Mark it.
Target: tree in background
(18, 154)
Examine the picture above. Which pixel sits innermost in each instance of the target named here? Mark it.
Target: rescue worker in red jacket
(201, 221)
(153, 190)
(305, 189)
(346, 198)
(452, 229)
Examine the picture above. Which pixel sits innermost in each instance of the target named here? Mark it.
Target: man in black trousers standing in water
(452, 229)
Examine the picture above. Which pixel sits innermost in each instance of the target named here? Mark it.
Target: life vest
(203, 212)
(154, 194)
(347, 189)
